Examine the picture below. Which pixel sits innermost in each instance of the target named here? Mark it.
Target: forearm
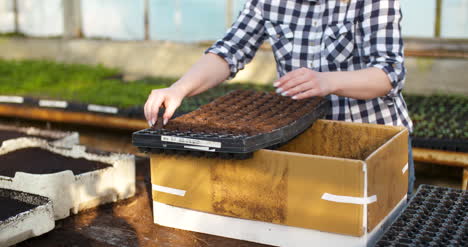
(360, 84)
(209, 71)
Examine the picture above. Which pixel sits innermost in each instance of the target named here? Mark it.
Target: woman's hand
(362, 84)
(170, 98)
(209, 71)
(303, 83)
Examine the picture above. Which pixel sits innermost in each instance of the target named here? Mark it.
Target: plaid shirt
(326, 35)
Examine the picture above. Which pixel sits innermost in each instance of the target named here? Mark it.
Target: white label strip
(11, 99)
(191, 141)
(349, 199)
(208, 149)
(53, 103)
(405, 168)
(104, 109)
(168, 190)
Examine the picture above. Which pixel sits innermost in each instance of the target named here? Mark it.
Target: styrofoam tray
(28, 224)
(63, 139)
(70, 192)
(262, 232)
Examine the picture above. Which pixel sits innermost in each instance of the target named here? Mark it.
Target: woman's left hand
(303, 83)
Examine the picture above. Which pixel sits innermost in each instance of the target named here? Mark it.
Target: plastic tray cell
(435, 216)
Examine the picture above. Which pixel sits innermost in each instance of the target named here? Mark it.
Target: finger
(301, 88)
(171, 107)
(281, 81)
(307, 94)
(147, 109)
(149, 102)
(284, 90)
(154, 109)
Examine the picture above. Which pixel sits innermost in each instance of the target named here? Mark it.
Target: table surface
(126, 223)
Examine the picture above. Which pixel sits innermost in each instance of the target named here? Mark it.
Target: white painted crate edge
(261, 232)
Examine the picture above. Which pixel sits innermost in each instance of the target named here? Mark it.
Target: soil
(127, 223)
(40, 161)
(11, 207)
(8, 135)
(244, 112)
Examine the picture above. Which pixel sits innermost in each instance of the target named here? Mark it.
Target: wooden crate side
(387, 178)
(273, 186)
(341, 139)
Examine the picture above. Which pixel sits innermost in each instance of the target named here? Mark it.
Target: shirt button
(278, 36)
(312, 43)
(315, 23)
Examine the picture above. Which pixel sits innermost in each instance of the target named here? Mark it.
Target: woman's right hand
(209, 71)
(170, 98)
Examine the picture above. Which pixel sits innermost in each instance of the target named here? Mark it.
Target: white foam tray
(261, 232)
(63, 139)
(25, 225)
(69, 192)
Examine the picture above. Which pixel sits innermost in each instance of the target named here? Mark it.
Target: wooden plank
(72, 19)
(147, 19)
(414, 47)
(465, 179)
(436, 48)
(72, 117)
(16, 16)
(387, 178)
(441, 157)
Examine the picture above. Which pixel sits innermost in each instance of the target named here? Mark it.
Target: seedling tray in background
(225, 145)
(435, 216)
(441, 144)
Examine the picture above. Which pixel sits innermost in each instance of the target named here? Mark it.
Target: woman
(348, 50)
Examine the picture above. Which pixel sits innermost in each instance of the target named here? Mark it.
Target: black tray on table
(227, 146)
(456, 145)
(435, 216)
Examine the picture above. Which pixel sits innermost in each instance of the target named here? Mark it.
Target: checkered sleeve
(243, 39)
(382, 41)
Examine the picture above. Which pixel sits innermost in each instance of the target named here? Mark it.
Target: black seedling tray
(435, 216)
(224, 145)
(441, 144)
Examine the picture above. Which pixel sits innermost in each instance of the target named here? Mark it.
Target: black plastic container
(225, 145)
(435, 216)
(441, 144)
